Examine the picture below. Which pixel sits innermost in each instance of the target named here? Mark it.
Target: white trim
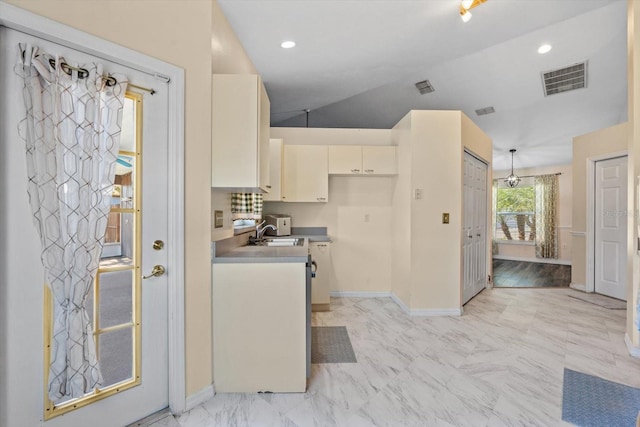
(579, 233)
(633, 350)
(426, 312)
(19, 19)
(515, 242)
(355, 294)
(578, 287)
(591, 206)
(538, 260)
(199, 397)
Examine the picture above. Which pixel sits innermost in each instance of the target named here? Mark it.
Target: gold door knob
(158, 270)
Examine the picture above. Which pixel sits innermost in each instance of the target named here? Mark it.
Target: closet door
(474, 227)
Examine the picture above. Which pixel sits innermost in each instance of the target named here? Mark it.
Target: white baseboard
(578, 287)
(356, 294)
(538, 260)
(199, 397)
(426, 312)
(633, 350)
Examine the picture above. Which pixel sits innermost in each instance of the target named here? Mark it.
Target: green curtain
(246, 205)
(546, 216)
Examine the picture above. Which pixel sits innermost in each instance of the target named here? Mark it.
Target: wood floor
(519, 274)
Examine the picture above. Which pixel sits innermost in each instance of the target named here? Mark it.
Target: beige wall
(360, 249)
(609, 141)
(201, 29)
(431, 147)
(565, 209)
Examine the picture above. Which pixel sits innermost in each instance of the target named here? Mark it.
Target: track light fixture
(466, 6)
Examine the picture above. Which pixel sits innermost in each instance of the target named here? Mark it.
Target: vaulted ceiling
(355, 64)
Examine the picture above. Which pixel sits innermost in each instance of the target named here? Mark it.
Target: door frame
(590, 285)
(27, 22)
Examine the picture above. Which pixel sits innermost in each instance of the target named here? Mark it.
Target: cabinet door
(321, 284)
(275, 171)
(306, 173)
(264, 128)
(345, 159)
(240, 133)
(379, 160)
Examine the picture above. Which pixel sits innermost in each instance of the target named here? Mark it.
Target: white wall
(527, 252)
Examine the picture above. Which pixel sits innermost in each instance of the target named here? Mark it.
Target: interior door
(126, 402)
(610, 260)
(474, 227)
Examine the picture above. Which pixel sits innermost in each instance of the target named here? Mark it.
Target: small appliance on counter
(281, 222)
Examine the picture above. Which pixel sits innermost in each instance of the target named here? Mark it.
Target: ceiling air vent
(565, 79)
(485, 111)
(424, 87)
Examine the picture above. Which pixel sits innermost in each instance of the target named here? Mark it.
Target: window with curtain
(528, 213)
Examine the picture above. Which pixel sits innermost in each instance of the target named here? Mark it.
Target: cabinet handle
(368, 170)
(268, 186)
(355, 170)
(321, 198)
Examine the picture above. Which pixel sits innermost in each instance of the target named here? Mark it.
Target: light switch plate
(218, 219)
(445, 218)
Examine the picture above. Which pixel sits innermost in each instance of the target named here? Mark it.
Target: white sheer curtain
(72, 135)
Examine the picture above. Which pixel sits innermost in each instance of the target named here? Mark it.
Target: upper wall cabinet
(362, 160)
(240, 134)
(275, 171)
(305, 176)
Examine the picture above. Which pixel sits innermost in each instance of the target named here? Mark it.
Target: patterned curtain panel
(72, 136)
(246, 205)
(546, 216)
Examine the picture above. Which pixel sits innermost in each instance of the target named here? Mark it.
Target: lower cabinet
(321, 283)
(259, 327)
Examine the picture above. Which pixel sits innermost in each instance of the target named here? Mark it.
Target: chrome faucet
(260, 230)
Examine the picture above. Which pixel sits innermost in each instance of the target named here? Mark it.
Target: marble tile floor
(499, 364)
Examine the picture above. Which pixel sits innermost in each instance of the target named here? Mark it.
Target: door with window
(128, 313)
(474, 227)
(610, 237)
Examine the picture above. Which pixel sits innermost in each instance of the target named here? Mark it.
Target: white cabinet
(305, 176)
(240, 133)
(321, 283)
(379, 160)
(345, 159)
(275, 171)
(362, 160)
(259, 327)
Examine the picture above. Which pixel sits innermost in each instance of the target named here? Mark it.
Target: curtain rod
(83, 73)
(533, 176)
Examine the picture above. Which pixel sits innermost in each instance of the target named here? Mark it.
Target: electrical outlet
(418, 193)
(366, 217)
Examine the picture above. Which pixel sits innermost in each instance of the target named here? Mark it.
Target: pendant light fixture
(512, 180)
(466, 6)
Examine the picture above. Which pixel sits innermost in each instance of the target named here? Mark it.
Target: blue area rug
(592, 401)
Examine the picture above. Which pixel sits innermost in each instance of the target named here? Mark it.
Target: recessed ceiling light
(287, 44)
(544, 48)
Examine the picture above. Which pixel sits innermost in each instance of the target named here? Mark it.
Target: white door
(610, 261)
(24, 350)
(474, 227)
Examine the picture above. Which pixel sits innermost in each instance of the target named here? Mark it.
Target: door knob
(158, 270)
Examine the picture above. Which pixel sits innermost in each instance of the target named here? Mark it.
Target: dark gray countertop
(234, 250)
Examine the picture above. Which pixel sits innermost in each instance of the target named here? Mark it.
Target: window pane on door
(116, 298)
(115, 355)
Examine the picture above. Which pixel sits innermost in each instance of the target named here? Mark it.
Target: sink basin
(283, 242)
